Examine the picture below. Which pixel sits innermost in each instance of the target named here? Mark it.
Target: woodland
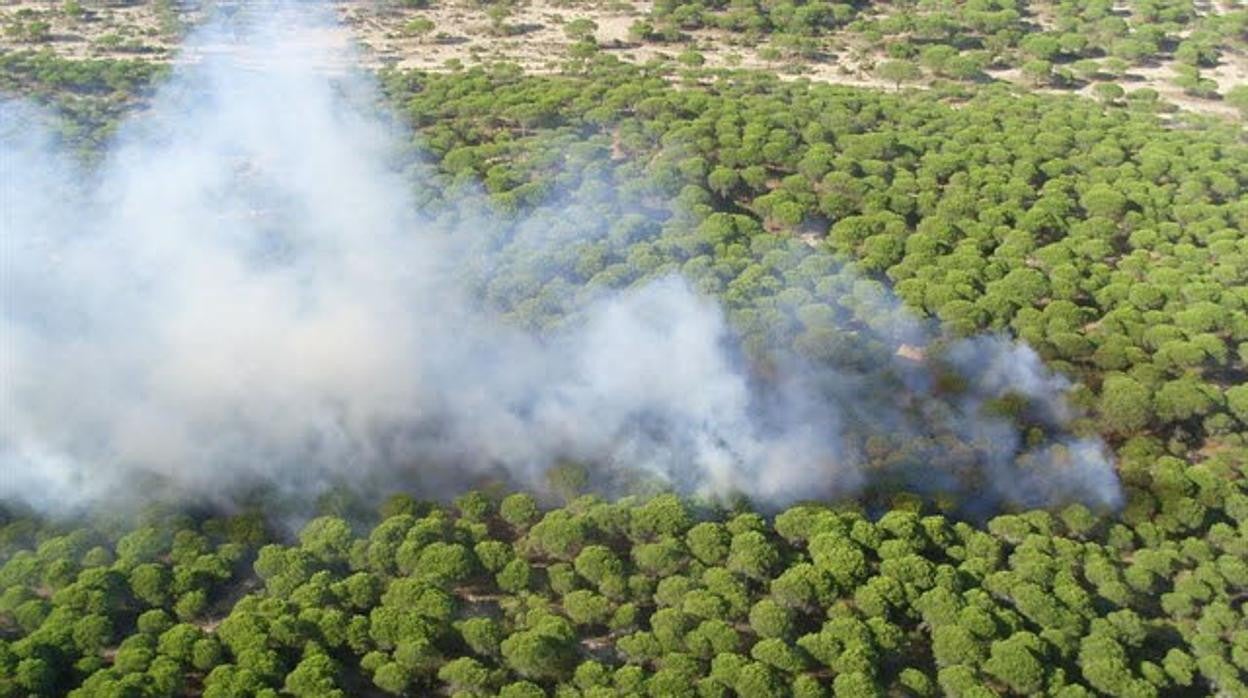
(1110, 234)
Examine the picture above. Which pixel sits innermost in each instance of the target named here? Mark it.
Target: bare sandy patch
(445, 35)
(99, 30)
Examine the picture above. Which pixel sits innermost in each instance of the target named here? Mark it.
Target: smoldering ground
(243, 292)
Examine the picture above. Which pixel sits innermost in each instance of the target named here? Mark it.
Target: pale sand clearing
(532, 36)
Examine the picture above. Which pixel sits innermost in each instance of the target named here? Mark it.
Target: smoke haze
(245, 292)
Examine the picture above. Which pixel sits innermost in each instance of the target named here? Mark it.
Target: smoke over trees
(244, 292)
(593, 383)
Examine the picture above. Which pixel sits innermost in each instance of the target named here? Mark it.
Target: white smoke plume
(244, 292)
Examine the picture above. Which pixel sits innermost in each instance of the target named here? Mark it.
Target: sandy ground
(101, 30)
(1232, 71)
(537, 40)
(531, 35)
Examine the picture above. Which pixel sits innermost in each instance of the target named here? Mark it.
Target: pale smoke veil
(244, 292)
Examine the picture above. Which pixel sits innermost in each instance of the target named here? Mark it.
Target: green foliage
(709, 542)
(1016, 605)
(1109, 241)
(771, 620)
(898, 71)
(519, 510)
(543, 653)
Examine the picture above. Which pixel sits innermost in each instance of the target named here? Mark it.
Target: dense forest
(494, 595)
(1109, 235)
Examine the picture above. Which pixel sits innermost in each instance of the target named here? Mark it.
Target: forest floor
(531, 34)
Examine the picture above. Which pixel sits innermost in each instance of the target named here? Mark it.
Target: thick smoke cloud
(243, 292)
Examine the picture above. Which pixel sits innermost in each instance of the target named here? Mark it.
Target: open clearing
(533, 35)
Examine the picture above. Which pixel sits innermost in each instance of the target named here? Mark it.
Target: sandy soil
(537, 40)
(1232, 71)
(531, 35)
(102, 30)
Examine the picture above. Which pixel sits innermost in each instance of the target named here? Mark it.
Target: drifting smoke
(243, 292)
